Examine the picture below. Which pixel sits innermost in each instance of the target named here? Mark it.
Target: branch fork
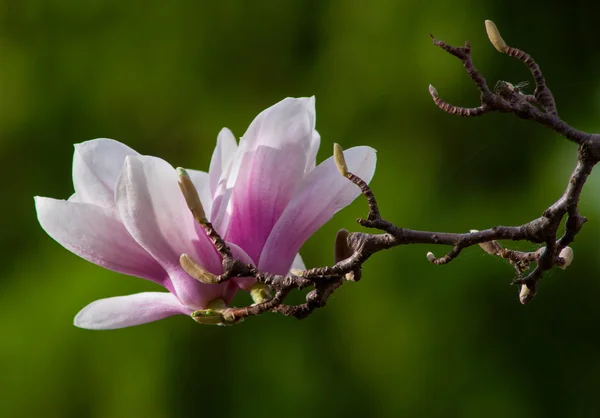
(353, 249)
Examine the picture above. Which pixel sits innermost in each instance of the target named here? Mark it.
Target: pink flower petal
(96, 167)
(221, 209)
(267, 180)
(97, 235)
(127, 311)
(311, 159)
(156, 215)
(221, 158)
(276, 146)
(322, 193)
(291, 121)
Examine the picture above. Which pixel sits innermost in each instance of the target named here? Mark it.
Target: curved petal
(291, 121)
(221, 158)
(266, 182)
(219, 215)
(155, 213)
(221, 208)
(311, 159)
(96, 234)
(96, 167)
(201, 182)
(323, 192)
(127, 311)
(268, 167)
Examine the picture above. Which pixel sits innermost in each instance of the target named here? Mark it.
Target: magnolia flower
(264, 196)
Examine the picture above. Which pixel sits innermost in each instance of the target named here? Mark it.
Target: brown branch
(353, 249)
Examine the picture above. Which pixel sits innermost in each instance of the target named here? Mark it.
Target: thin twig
(355, 248)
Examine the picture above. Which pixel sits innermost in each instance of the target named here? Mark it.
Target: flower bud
(191, 196)
(526, 294)
(567, 255)
(260, 293)
(494, 34)
(196, 271)
(340, 160)
(430, 257)
(207, 317)
(216, 313)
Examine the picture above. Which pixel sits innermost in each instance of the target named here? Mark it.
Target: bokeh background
(412, 339)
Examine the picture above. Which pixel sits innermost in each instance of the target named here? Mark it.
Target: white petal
(156, 215)
(311, 159)
(127, 311)
(201, 182)
(96, 234)
(96, 167)
(291, 121)
(322, 193)
(221, 158)
(221, 208)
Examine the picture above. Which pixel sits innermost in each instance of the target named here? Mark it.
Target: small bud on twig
(526, 294)
(196, 271)
(216, 313)
(207, 317)
(260, 293)
(430, 257)
(494, 34)
(567, 255)
(340, 160)
(191, 196)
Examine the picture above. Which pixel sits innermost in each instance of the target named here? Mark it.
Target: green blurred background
(412, 339)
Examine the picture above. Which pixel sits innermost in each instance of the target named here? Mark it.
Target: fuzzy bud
(526, 294)
(191, 196)
(494, 34)
(433, 91)
(196, 271)
(567, 255)
(340, 160)
(260, 293)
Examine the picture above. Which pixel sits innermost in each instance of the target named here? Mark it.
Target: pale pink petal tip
(127, 311)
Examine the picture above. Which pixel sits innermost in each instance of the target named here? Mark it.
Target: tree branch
(353, 249)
